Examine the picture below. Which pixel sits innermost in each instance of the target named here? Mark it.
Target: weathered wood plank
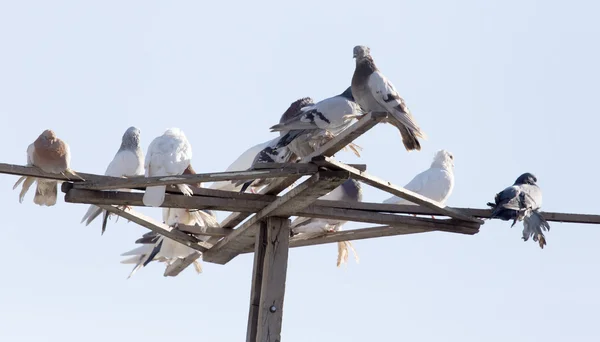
(21, 170)
(179, 265)
(196, 230)
(158, 227)
(394, 189)
(261, 166)
(353, 234)
(229, 247)
(259, 202)
(171, 201)
(260, 247)
(274, 273)
(135, 182)
(339, 142)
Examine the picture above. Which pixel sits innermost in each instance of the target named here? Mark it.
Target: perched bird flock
(303, 128)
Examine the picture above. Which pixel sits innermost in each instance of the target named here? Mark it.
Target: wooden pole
(268, 280)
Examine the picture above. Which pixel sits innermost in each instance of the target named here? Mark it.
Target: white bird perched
(127, 162)
(375, 93)
(309, 228)
(243, 162)
(435, 183)
(52, 155)
(168, 155)
(159, 248)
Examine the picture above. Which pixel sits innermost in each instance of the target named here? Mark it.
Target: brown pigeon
(51, 155)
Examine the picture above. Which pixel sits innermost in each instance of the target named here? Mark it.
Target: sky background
(507, 86)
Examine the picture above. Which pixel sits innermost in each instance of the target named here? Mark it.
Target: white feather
(168, 155)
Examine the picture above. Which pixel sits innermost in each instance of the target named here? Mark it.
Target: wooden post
(268, 280)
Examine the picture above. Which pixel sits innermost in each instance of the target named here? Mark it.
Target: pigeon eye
(451, 157)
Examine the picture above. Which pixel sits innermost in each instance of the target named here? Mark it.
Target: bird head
(443, 158)
(526, 178)
(48, 135)
(132, 135)
(360, 52)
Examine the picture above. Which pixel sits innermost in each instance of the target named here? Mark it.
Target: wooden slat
(333, 146)
(196, 230)
(261, 166)
(394, 189)
(179, 265)
(274, 273)
(171, 201)
(353, 234)
(135, 182)
(314, 187)
(259, 202)
(158, 227)
(20, 170)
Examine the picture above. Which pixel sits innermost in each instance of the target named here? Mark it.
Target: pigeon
(315, 124)
(156, 247)
(127, 162)
(308, 228)
(306, 126)
(243, 162)
(168, 155)
(375, 93)
(435, 183)
(52, 155)
(522, 202)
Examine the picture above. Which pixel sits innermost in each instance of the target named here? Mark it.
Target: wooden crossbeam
(330, 148)
(159, 228)
(256, 202)
(394, 189)
(136, 182)
(20, 170)
(296, 199)
(261, 166)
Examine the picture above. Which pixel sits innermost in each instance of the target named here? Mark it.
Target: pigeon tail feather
(46, 192)
(533, 226)
(154, 196)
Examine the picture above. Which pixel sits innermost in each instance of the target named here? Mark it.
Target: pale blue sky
(507, 86)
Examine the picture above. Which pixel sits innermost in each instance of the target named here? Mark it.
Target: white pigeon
(435, 183)
(168, 155)
(308, 228)
(127, 162)
(242, 163)
(159, 248)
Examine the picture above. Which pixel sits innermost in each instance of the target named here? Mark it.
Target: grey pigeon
(375, 93)
(127, 162)
(522, 202)
(307, 228)
(306, 126)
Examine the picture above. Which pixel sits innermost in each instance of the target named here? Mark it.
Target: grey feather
(375, 93)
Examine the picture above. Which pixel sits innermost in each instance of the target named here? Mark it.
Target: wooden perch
(394, 189)
(296, 199)
(137, 182)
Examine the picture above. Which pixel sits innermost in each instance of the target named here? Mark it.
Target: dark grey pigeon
(375, 93)
(127, 162)
(522, 202)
